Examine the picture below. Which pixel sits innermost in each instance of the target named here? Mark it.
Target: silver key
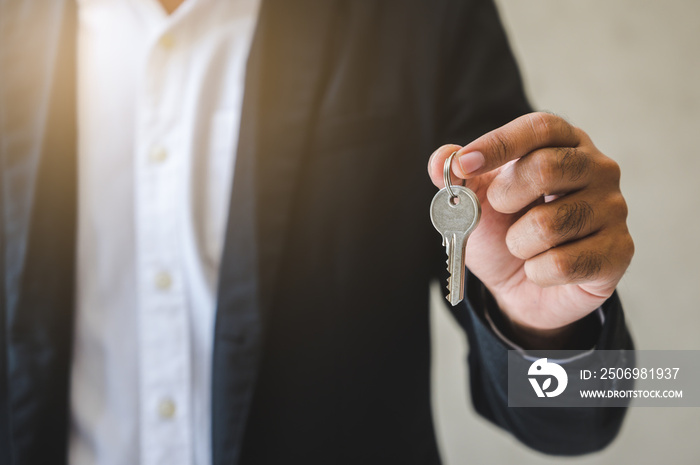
(455, 218)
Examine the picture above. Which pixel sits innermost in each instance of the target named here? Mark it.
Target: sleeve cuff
(598, 313)
(597, 326)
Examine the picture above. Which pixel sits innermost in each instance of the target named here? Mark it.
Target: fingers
(510, 142)
(562, 221)
(545, 172)
(575, 239)
(599, 260)
(514, 140)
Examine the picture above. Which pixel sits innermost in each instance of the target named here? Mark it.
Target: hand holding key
(553, 242)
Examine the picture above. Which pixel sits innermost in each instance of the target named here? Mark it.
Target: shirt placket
(164, 364)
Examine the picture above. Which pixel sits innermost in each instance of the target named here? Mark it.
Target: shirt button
(163, 281)
(167, 41)
(158, 155)
(166, 409)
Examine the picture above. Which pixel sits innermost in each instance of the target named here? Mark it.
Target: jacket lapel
(284, 81)
(293, 74)
(38, 175)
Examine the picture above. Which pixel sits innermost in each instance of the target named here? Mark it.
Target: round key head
(455, 215)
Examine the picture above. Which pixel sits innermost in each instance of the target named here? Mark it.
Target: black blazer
(322, 350)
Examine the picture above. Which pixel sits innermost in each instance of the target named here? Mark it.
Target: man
(149, 316)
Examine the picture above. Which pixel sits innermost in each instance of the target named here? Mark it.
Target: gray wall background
(628, 73)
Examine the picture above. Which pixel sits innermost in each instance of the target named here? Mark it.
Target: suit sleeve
(558, 431)
(481, 90)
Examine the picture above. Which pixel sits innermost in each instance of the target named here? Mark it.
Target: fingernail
(470, 162)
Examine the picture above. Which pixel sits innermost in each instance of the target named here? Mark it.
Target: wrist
(579, 335)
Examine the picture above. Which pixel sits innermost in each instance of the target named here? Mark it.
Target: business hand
(553, 241)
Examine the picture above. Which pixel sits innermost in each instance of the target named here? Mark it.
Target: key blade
(455, 266)
(447, 242)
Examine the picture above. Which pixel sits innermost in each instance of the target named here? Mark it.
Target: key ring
(446, 176)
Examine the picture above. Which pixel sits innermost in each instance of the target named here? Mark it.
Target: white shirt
(159, 109)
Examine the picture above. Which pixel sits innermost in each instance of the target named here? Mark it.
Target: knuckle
(549, 126)
(542, 124)
(572, 219)
(586, 266)
(542, 223)
(567, 268)
(572, 163)
(500, 145)
(618, 206)
(560, 264)
(623, 247)
(611, 168)
(615, 170)
(544, 173)
(581, 134)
